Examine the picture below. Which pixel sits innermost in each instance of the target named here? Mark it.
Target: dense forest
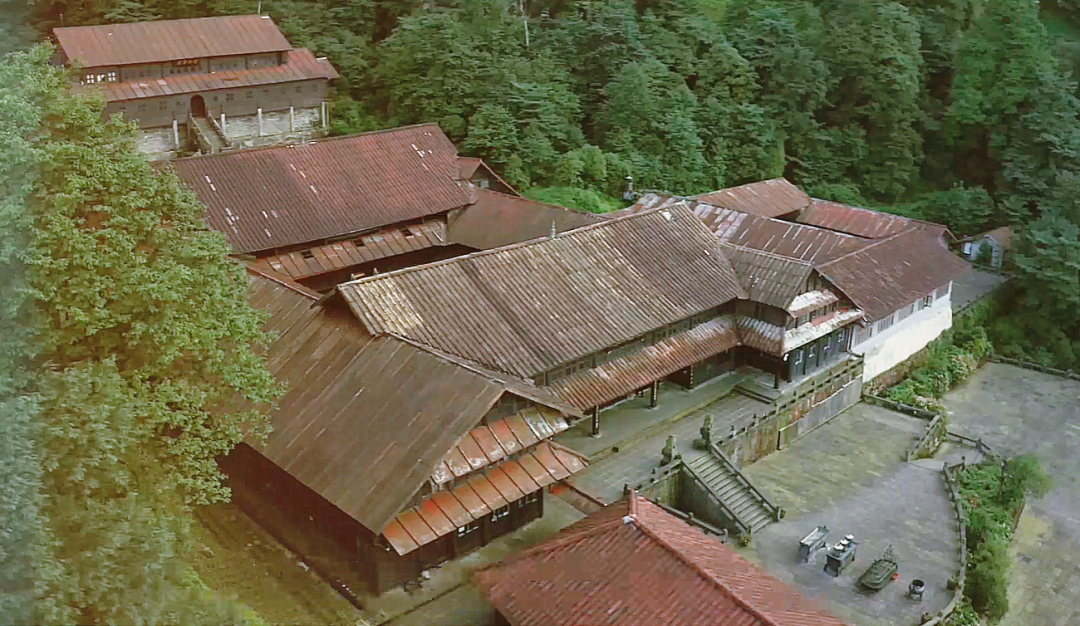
(964, 112)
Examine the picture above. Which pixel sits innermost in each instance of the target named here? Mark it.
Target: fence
(958, 589)
(997, 358)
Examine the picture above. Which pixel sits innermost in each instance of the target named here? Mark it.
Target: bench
(812, 543)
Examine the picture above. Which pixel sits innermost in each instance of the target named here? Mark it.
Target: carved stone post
(654, 394)
(670, 453)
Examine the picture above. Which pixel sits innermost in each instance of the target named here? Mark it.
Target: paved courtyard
(850, 475)
(973, 286)
(1015, 410)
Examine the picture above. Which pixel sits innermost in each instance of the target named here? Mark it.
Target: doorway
(198, 106)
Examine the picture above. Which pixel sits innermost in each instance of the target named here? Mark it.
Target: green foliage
(581, 199)
(133, 370)
(1024, 476)
(988, 579)
(963, 615)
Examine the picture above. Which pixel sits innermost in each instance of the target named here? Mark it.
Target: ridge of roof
(284, 281)
(567, 209)
(766, 253)
(513, 246)
(873, 243)
(319, 140)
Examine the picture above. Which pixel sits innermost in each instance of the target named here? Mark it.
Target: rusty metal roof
(498, 219)
(633, 564)
(170, 40)
(447, 510)
(490, 443)
(621, 376)
(769, 278)
(788, 239)
(861, 222)
(529, 307)
(894, 272)
(362, 249)
(277, 197)
(302, 65)
(768, 198)
(367, 419)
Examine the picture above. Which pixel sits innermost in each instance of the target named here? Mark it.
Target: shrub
(988, 579)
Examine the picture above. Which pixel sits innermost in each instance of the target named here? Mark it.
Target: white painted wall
(887, 349)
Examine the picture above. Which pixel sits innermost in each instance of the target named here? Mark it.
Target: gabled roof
(1001, 235)
(276, 197)
(498, 219)
(170, 40)
(367, 419)
(767, 198)
(861, 222)
(526, 308)
(893, 272)
(302, 65)
(633, 564)
(769, 278)
(788, 239)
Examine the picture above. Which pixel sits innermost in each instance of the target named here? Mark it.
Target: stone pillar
(176, 134)
(223, 131)
(595, 416)
(292, 120)
(654, 394)
(324, 115)
(260, 122)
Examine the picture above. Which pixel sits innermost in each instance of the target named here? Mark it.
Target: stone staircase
(745, 508)
(210, 140)
(754, 389)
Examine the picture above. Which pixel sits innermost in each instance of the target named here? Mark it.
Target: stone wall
(159, 143)
(244, 130)
(884, 351)
(817, 400)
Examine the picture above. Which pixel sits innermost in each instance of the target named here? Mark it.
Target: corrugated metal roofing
(363, 249)
(170, 40)
(302, 65)
(443, 512)
(633, 564)
(894, 272)
(527, 308)
(497, 219)
(769, 278)
(768, 198)
(619, 377)
(276, 197)
(861, 222)
(366, 420)
(788, 239)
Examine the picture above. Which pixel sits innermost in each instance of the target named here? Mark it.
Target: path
(850, 475)
(1015, 410)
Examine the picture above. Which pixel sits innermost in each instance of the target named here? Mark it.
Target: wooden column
(595, 416)
(776, 374)
(654, 394)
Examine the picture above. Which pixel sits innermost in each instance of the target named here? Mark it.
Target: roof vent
(667, 215)
(628, 519)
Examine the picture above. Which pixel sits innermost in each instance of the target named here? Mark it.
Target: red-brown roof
(1001, 235)
(447, 510)
(366, 419)
(276, 197)
(861, 222)
(363, 249)
(894, 272)
(302, 65)
(498, 219)
(527, 308)
(768, 198)
(170, 40)
(633, 564)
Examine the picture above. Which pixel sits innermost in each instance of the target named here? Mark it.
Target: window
(299, 88)
(162, 105)
(215, 98)
(248, 94)
(928, 300)
(315, 88)
(142, 106)
(528, 500)
(89, 79)
(499, 514)
(885, 324)
(307, 254)
(111, 77)
(408, 233)
(229, 97)
(359, 242)
(468, 529)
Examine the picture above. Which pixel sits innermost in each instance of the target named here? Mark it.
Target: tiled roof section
(527, 308)
(170, 40)
(815, 329)
(493, 442)
(769, 278)
(367, 418)
(617, 378)
(1001, 235)
(795, 241)
(894, 272)
(447, 510)
(811, 301)
(302, 65)
(498, 219)
(633, 564)
(768, 198)
(861, 222)
(276, 197)
(467, 166)
(363, 249)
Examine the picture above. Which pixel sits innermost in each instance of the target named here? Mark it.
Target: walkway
(1015, 410)
(637, 457)
(850, 475)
